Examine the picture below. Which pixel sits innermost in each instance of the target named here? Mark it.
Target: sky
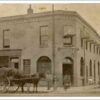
(90, 12)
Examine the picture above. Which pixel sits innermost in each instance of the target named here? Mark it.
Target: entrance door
(68, 68)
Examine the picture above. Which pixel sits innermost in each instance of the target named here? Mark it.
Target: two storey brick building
(53, 43)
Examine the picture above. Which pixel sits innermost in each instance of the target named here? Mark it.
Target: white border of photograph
(48, 1)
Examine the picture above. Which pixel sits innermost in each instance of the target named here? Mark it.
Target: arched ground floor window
(44, 65)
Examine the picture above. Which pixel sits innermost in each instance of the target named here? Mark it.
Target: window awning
(15, 60)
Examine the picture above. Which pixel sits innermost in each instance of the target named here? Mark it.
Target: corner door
(67, 68)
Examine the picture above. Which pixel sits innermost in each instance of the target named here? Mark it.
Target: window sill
(68, 45)
(6, 48)
(43, 46)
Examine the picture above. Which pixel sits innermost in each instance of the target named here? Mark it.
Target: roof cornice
(44, 14)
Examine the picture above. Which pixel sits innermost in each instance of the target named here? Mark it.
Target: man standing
(67, 80)
(49, 80)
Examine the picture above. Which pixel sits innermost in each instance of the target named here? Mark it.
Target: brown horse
(21, 80)
(10, 77)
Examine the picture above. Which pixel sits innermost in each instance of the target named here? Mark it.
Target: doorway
(67, 68)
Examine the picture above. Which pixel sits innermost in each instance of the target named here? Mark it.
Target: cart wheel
(6, 85)
(14, 88)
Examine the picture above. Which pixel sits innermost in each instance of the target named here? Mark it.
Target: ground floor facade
(66, 60)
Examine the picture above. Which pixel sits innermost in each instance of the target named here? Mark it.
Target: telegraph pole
(53, 47)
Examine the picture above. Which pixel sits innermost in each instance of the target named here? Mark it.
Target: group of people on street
(54, 80)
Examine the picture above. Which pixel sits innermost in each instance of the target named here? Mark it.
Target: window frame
(86, 45)
(24, 65)
(90, 47)
(71, 40)
(94, 49)
(4, 39)
(42, 44)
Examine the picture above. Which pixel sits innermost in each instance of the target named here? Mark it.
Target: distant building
(27, 43)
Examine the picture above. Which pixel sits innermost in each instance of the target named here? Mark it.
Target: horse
(11, 76)
(20, 80)
(34, 79)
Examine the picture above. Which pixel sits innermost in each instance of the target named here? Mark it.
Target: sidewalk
(89, 88)
(71, 90)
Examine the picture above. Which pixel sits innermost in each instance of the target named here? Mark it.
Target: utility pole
(53, 47)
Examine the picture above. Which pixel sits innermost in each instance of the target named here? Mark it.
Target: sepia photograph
(50, 49)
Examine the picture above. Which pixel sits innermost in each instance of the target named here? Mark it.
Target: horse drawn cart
(11, 80)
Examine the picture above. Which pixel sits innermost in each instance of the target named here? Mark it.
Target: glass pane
(67, 40)
(6, 42)
(26, 66)
(6, 34)
(44, 30)
(44, 41)
(44, 36)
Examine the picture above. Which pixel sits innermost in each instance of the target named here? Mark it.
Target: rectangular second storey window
(68, 35)
(6, 38)
(94, 48)
(86, 45)
(26, 64)
(67, 40)
(97, 50)
(90, 46)
(82, 43)
(44, 36)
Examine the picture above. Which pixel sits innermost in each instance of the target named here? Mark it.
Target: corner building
(35, 42)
